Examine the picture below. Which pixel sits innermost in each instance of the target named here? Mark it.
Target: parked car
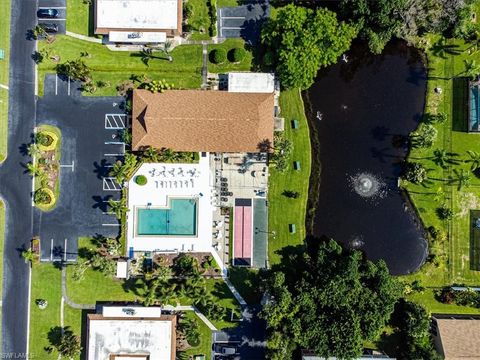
(225, 349)
(49, 27)
(47, 13)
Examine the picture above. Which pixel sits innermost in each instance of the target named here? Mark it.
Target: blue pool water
(179, 219)
(474, 103)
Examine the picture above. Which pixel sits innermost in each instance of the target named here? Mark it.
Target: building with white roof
(131, 332)
(251, 82)
(130, 20)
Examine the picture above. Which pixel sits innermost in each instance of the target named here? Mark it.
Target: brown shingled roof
(460, 338)
(196, 120)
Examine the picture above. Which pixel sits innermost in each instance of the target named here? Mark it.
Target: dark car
(225, 349)
(49, 27)
(47, 13)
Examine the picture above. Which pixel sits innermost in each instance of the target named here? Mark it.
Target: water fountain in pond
(368, 186)
(356, 241)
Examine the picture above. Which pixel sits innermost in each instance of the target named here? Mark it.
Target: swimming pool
(179, 219)
(474, 104)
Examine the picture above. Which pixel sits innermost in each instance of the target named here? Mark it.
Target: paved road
(14, 183)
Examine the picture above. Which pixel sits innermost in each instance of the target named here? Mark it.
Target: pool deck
(174, 181)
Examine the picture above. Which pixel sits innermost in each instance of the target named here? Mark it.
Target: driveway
(243, 21)
(61, 6)
(248, 336)
(91, 143)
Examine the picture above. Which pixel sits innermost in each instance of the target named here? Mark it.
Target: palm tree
(462, 178)
(150, 154)
(39, 31)
(29, 255)
(119, 172)
(474, 160)
(118, 207)
(440, 157)
(168, 155)
(167, 46)
(33, 150)
(33, 169)
(472, 69)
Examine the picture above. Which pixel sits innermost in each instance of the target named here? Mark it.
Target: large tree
(300, 41)
(379, 20)
(329, 302)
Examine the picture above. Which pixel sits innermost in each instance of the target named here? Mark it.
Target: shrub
(447, 296)
(141, 180)
(43, 196)
(425, 137)
(218, 56)
(268, 58)
(236, 55)
(43, 139)
(444, 213)
(415, 173)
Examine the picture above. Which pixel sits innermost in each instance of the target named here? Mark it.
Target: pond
(361, 112)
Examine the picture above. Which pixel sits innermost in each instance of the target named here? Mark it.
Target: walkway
(204, 67)
(84, 38)
(65, 296)
(167, 307)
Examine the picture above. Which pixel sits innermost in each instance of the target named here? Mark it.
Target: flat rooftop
(130, 336)
(251, 82)
(137, 14)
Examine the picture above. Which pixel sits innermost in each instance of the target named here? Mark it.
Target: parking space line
(56, 84)
(116, 121)
(233, 17)
(114, 143)
(110, 224)
(52, 7)
(53, 19)
(65, 251)
(114, 154)
(110, 184)
(72, 166)
(51, 250)
(231, 28)
(69, 86)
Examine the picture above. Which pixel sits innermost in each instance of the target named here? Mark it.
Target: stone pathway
(235, 292)
(83, 37)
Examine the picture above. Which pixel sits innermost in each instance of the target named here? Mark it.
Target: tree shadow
(101, 202)
(460, 97)
(102, 169)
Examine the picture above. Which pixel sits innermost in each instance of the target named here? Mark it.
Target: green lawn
(446, 68)
(46, 284)
(205, 346)
(184, 71)
(79, 20)
(227, 66)
(4, 45)
(227, 3)
(282, 210)
(199, 20)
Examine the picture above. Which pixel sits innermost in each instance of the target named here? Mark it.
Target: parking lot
(92, 130)
(248, 338)
(243, 21)
(60, 6)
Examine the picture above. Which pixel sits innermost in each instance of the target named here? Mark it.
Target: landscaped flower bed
(45, 166)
